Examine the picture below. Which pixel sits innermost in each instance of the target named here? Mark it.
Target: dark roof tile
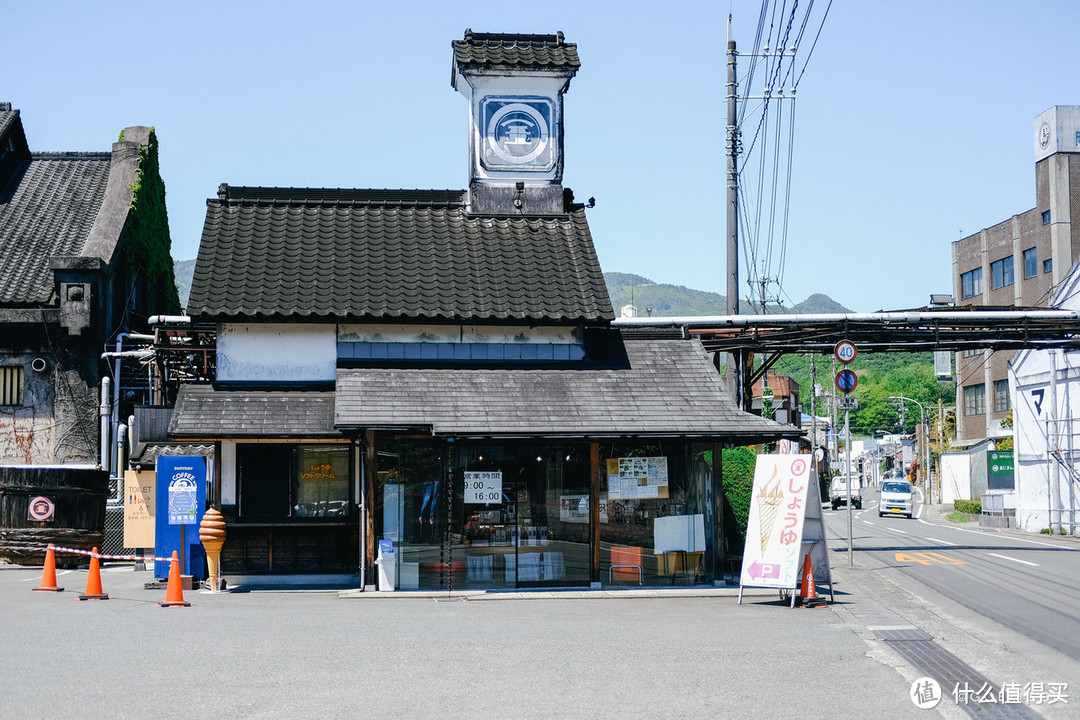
(202, 412)
(329, 254)
(518, 51)
(651, 387)
(47, 208)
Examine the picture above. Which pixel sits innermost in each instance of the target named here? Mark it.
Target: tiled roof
(659, 387)
(506, 50)
(152, 451)
(47, 208)
(7, 117)
(203, 412)
(324, 254)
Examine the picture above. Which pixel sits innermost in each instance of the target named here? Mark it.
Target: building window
(1001, 272)
(1031, 263)
(971, 283)
(1048, 265)
(972, 353)
(11, 385)
(1046, 217)
(1001, 396)
(975, 400)
(281, 481)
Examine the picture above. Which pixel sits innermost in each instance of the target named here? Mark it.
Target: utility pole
(925, 424)
(813, 414)
(735, 362)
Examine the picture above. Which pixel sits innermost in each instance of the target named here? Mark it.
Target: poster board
(483, 488)
(181, 502)
(637, 478)
(784, 525)
(139, 508)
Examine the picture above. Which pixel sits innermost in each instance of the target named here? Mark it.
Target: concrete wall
(1046, 416)
(276, 353)
(955, 477)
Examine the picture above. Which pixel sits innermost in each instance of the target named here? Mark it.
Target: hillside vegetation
(663, 300)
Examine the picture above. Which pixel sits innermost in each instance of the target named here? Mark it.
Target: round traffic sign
(846, 380)
(845, 351)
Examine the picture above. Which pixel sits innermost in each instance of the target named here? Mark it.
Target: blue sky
(914, 120)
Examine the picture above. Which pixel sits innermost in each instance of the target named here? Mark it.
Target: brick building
(1017, 262)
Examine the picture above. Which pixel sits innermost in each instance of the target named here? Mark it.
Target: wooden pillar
(369, 504)
(718, 511)
(594, 510)
(215, 499)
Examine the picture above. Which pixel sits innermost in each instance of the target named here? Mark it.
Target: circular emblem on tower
(518, 134)
(1044, 135)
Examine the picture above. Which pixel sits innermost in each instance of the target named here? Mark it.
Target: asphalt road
(685, 653)
(1004, 601)
(293, 654)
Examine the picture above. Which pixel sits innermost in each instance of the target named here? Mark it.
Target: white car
(897, 498)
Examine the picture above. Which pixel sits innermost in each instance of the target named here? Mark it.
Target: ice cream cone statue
(212, 536)
(768, 503)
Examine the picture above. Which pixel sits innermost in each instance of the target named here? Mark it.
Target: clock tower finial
(515, 85)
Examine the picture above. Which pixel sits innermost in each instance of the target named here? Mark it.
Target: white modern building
(1045, 386)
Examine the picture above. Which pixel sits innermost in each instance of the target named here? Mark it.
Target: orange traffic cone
(48, 574)
(174, 592)
(808, 590)
(93, 580)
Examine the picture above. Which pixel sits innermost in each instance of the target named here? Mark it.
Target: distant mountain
(627, 289)
(818, 303)
(183, 270)
(662, 300)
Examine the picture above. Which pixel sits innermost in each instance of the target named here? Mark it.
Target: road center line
(1006, 557)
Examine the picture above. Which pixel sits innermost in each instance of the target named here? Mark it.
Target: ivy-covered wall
(147, 243)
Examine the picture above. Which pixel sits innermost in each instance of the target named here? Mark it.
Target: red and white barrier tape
(102, 556)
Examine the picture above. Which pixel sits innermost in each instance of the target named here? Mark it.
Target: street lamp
(926, 443)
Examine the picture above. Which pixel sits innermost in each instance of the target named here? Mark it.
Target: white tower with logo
(515, 86)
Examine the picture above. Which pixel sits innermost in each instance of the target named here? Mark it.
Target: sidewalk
(934, 514)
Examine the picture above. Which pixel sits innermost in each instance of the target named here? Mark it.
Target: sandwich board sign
(784, 525)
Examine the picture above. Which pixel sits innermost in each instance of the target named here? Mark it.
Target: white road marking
(943, 542)
(1006, 557)
(998, 537)
(59, 573)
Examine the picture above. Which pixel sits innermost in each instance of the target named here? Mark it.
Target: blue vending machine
(180, 504)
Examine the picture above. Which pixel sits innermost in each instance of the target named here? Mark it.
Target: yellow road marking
(928, 558)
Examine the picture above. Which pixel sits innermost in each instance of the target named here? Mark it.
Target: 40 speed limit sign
(845, 351)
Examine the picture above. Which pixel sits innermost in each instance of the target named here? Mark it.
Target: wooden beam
(594, 510)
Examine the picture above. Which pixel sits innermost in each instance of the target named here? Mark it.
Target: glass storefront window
(322, 482)
(653, 527)
(506, 515)
(485, 516)
(279, 481)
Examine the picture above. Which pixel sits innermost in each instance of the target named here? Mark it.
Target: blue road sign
(846, 380)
